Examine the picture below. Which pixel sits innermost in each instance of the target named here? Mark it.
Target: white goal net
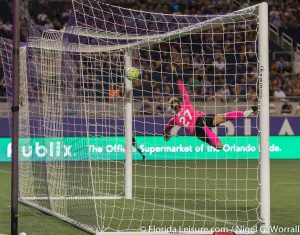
(92, 149)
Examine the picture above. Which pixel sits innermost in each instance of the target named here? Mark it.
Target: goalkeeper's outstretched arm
(184, 93)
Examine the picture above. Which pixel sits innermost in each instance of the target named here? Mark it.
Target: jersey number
(185, 121)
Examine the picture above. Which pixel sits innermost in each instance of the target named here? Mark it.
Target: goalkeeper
(199, 123)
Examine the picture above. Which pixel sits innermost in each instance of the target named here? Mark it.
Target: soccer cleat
(250, 110)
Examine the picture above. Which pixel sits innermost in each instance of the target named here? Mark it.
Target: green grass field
(285, 206)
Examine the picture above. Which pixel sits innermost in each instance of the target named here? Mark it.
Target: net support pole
(128, 128)
(263, 41)
(15, 118)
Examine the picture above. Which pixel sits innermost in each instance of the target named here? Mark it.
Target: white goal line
(72, 198)
(165, 233)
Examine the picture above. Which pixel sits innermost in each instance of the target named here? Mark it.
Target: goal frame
(264, 126)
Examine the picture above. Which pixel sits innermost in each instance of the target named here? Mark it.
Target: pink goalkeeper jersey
(186, 115)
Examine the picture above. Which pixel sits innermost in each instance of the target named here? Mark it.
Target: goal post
(263, 42)
(128, 126)
(91, 140)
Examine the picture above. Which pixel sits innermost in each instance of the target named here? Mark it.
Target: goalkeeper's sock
(234, 115)
(250, 111)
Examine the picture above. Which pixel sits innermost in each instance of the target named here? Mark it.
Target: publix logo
(52, 149)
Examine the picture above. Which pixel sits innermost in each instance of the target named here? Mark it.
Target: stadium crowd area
(284, 14)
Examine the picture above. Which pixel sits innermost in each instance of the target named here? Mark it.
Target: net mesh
(72, 123)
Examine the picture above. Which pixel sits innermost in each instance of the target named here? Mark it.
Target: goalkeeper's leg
(220, 118)
(204, 133)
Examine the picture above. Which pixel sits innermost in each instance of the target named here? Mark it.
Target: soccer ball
(132, 73)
